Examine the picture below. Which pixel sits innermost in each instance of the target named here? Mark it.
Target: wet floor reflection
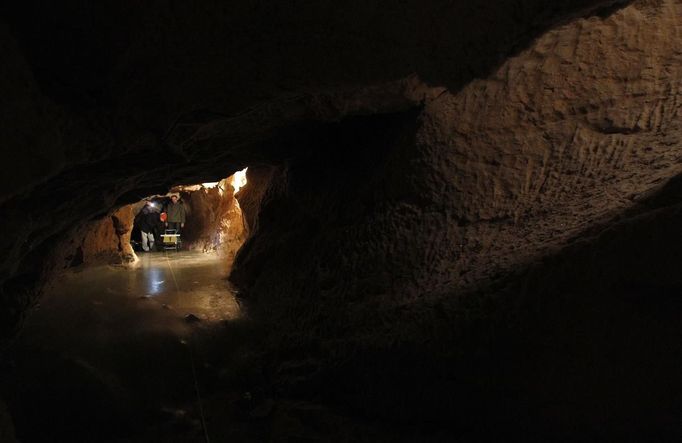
(104, 349)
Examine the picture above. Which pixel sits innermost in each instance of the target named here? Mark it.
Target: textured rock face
(214, 220)
(474, 228)
(571, 132)
(108, 240)
(567, 135)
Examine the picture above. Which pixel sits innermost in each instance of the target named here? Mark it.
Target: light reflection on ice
(196, 286)
(153, 279)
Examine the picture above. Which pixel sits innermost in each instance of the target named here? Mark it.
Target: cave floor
(108, 353)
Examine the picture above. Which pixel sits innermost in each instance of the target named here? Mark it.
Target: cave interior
(419, 221)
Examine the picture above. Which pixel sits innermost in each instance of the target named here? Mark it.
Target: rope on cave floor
(190, 346)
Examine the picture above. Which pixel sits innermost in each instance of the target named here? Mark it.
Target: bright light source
(210, 185)
(239, 180)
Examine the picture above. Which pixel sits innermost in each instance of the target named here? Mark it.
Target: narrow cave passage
(117, 349)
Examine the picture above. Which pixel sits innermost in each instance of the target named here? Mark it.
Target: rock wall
(108, 240)
(494, 176)
(471, 252)
(214, 219)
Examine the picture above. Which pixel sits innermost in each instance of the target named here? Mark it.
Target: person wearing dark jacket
(176, 214)
(147, 220)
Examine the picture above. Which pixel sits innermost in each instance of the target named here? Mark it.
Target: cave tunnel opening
(124, 337)
(208, 218)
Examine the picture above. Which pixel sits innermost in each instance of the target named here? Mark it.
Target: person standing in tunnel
(148, 221)
(176, 214)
